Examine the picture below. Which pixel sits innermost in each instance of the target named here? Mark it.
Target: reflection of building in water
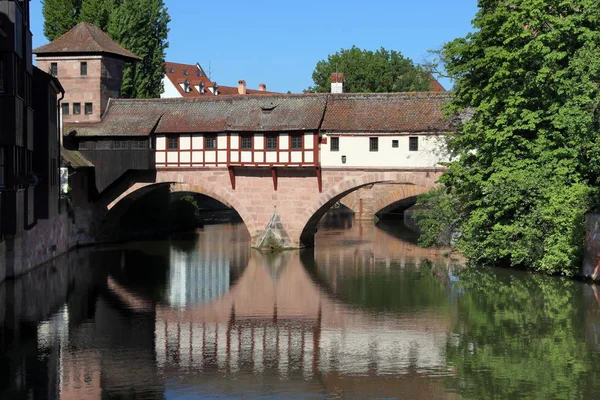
(203, 274)
(280, 321)
(78, 372)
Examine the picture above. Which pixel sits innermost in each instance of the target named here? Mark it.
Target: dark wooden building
(23, 163)
(46, 144)
(16, 117)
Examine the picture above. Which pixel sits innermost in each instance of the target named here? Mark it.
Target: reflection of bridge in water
(268, 319)
(276, 317)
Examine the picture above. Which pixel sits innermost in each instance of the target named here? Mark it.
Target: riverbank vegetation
(527, 149)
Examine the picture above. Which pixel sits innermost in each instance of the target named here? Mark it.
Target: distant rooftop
(85, 38)
(191, 76)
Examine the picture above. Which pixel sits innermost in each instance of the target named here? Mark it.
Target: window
(139, 144)
(87, 145)
(76, 108)
(1, 166)
(246, 142)
(271, 142)
(173, 143)
(297, 142)
(83, 68)
(88, 108)
(65, 108)
(335, 144)
(53, 69)
(413, 143)
(373, 144)
(210, 142)
(395, 144)
(120, 145)
(103, 145)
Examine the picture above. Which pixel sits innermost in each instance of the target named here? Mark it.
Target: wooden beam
(231, 177)
(274, 176)
(319, 180)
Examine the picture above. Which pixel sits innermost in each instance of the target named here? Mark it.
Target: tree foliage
(59, 16)
(97, 12)
(527, 162)
(380, 71)
(140, 26)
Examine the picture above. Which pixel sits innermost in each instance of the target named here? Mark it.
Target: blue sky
(280, 42)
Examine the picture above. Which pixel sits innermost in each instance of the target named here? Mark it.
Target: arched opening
(164, 208)
(395, 210)
(408, 185)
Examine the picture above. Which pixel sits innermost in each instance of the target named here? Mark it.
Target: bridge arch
(123, 203)
(419, 183)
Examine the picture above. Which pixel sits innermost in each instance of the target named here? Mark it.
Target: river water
(366, 314)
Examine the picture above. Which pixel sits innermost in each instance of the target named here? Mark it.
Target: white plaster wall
(308, 141)
(169, 90)
(211, 156)
(222, 141)
(235, 141)
(185, 142)
(356, 149)
(161, 142)
(197, 157)
(197, 142)
(271, 157)
(259, 142)
(284, 141)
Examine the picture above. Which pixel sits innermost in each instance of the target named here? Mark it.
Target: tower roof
(85, 38)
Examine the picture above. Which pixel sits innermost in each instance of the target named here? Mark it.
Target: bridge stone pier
(282, 209)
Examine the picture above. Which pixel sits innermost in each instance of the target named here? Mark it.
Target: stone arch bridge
(281, 209)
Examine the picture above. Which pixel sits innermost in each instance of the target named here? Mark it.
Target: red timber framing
(240, 150)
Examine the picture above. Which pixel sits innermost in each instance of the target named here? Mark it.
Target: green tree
(141, 27)
(527, 160)
(97, 12)
(378, 71)
(59, 16)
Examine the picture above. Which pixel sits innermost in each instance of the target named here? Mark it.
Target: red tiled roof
(176, 73)
(336, 113)
(435, 85)
(386, 112)
(85, 38)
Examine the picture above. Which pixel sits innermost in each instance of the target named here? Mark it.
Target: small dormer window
(171, 70)
(186, 86)
(201, 87)
(186, 72)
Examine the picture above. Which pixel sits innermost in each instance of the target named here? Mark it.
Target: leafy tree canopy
(380, 71)
(528, 161)
(59, 16)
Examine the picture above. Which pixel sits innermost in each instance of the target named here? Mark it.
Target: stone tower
(89, 65)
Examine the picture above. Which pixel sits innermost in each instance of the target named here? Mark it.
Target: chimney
(242, 87)
(262, 87)
(337, 82)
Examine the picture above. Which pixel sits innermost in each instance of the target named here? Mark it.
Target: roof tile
(85, 38)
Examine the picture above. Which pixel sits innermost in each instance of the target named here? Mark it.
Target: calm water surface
(366, 314)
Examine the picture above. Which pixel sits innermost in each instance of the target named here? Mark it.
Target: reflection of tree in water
(521, 337)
